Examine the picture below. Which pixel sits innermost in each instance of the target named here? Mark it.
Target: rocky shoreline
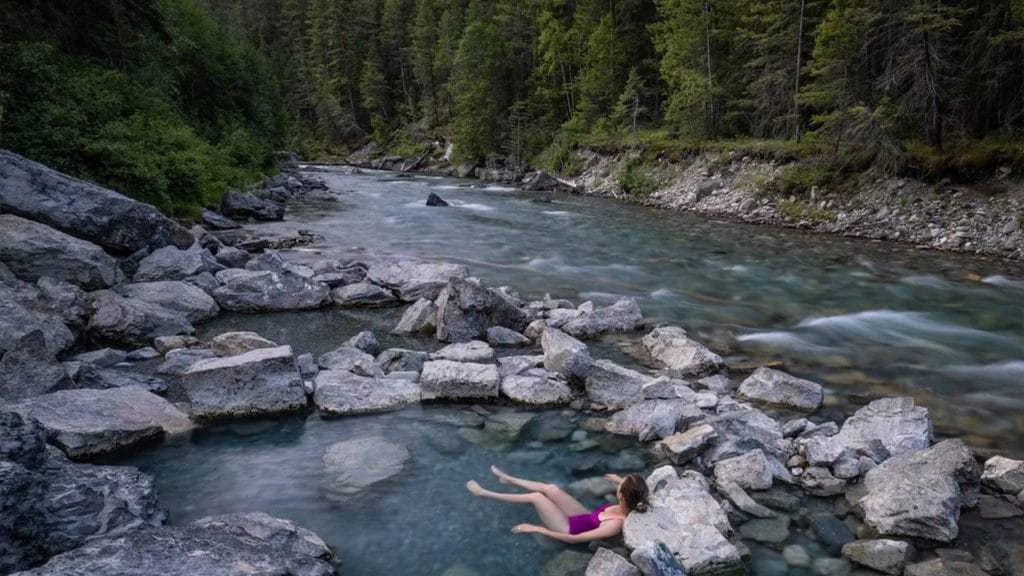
(985, 219)
(97, 356)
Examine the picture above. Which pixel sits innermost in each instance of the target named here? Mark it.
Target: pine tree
(480, 92)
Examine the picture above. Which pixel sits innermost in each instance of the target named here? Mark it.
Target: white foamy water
(1011, 371)
(999, 280)
(472, 206)
(557, 213)
(663, 293)
(782, 339)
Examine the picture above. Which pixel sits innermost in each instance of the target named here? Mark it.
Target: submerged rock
(32, 250)
(352, 466)
(465, 311)
(436, 201)
(680, 356)
(614, 386)
(444, 379)
(780, 389)
(344, 393)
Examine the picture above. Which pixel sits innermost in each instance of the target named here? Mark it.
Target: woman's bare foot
(502, 476)
(474, 487)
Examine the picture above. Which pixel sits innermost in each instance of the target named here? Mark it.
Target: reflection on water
(865, 318)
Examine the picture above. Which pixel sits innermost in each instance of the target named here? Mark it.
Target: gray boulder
(745, 429)
(95, 378)
(231, 257)
(119, 320)
(920, 494)
(885, 556)
(566, 355)
(1004, 474)
(192, 303)
(820, 482)
(102, 358)
(739, 497)
(29, 369)
(363, 293)
(536, 389)
(23, 310)
(656, 560)
(229, 545)
(420, 317)
(666, 388)
(262, 382)
(451, 380)
(351, 466)
(681, 357)
(623, 316)
(170, 263)
(614, 386)
(413, 280)
(85, 423)
(472, 351)
(653, 419)
(780, 389)
(896, 423)
(401, 360)
(348, 359)
(235, 343)
(750, 471)
(516, 365)
(345, 393)
(215, 221)
(465, 311)
(608, 563)
(501, 336)
(84, 210)
(683, 447)
(245, 206)
(268, 291)
(32, 250)
(365, 341)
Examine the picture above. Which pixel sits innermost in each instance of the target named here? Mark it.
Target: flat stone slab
(536, 389)
(678, 354)
(32, 250)
(777, 388)
(615, 386)
(896, 423)
(351, 466)
(448, 379)
(85, 423)
(472, 351)
(344, 393)
(653, 419)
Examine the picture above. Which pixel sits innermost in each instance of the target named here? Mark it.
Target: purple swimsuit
(586, 522)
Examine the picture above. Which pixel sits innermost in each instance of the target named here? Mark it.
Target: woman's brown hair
(635, 493)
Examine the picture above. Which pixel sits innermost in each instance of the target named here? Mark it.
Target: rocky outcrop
(777, 388)
(344, 393)
(351, 466)
(566, 355)
(229, 545)
(444, 379)
(29, 369)
(84, 210)
(190, 302)
(920, 494)
(170, 263)
(85, 423)
(245, 206)
(614, 386)
(262, 382)
(412, 280)
(268, 291)
(623, 316)
(888, 426)
(670, 348)
(33, 251)
(465, 311)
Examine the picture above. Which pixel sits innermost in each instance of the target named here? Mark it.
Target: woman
(564, 518)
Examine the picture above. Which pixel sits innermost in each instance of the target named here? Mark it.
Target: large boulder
(670, 348)
(623, 316)
(170, 263)
(608, 563)
(32, 250)
(262, 382)
(420, 317)
(885, 556)
(364, 293)
(245, 206)
(445, 379)
(349, 359)
(472, 351)
(84, 210)
(780, 389)
(653, 419)
(412, 280)
(566, 355)
(85, 423)
(536, 387)
(614, 386)
(1004, 475)
(401, 360)
(181, 297)
(345, 393)
(29, 369)
(268, 291)
(24, 309)
(466, 310)
(893, 425)
(750, 471)
(352, 466)
(687, 519)
(229, 545)
(920, 494)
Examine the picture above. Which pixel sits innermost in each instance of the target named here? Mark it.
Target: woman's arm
(607, 529)
(614, 478)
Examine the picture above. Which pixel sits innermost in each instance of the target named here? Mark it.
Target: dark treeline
(862, 81)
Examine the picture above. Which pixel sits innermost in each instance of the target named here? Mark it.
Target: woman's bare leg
(550, 514)
(569, 505)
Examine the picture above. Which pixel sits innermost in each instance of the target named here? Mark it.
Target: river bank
(983, 219)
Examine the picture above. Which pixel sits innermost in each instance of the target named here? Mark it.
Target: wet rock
(412, 280)
(121, 320)
(551, 426)
(683, 447)
(680, 356)
(745, 429)
(623, 316)
(229, 545)
(885, 556)
(348, 359)
(444, 379)
(436, 201)
(780, 389)
(190, 302)
(82, 209)
(920, 494)
(419, 318)
(717, 383)
(831, 532)
(365, 341)
(472, 351)
(501, 336)
(215, 221)
(667, 388)
(363, 294)
(345, 393)
(28, 369)
(170, 263)
(614, 386)
(86, 423)
(742, 500)
(751, 471)
(540, 181)
(32, 250)
(102, 358)
(820, 482)
(896, 423)
(567, 563)
(536, 389)
(596, 487)
(1004, 475)
(259, 382)
(268, 291)
(943, 567)
(655, 559)
(767, 530)
(22, 313)
(608, 563)
(516, 365)
(402, 360)
(95, 378)
(465, 311)
(245, 206)
(687, 520)
(653, 419)
(168, 344)
(505, 428)
(235, 343)
(778, 499)
(831, 567)
(796, 556)
(565, 355)
(352, 466)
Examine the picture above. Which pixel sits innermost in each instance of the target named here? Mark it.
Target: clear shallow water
(866, 319)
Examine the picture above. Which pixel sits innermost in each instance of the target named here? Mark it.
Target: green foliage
(798, 179)
(560, 157)
(799, 212)
(479, 79)
(636, 179)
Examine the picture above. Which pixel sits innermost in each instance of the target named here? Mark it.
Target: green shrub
(798, 179)
(636, 179)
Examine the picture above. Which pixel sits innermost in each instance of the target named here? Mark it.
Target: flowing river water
(864, 319)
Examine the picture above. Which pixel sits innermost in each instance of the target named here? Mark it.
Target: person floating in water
(564, 518)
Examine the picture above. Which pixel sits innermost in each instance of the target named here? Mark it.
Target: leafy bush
(798, 179)
(636, 179)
